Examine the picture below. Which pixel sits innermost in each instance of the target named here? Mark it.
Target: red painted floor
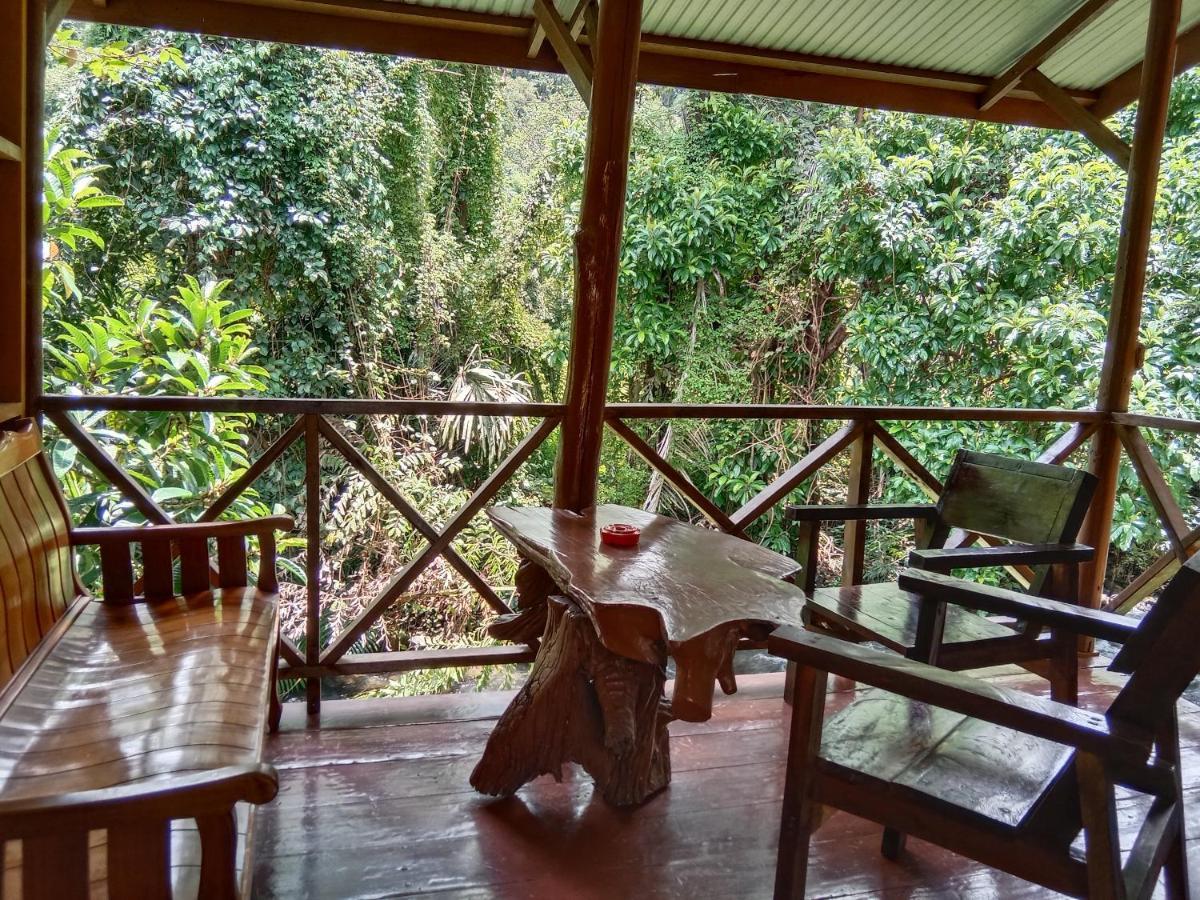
(375, 803)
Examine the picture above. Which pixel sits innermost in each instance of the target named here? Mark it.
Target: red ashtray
(620, 535)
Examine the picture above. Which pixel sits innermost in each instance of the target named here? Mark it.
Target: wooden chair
(1001, 776)
(1034, 508)
(131, 728)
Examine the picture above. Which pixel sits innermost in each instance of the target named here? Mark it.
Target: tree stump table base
(584, 704)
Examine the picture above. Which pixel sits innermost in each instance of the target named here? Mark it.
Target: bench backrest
(37, 572)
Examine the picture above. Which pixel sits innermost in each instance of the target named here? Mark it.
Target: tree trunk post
(1122, 347)
(598, 251)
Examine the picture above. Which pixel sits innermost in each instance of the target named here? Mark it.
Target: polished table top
(685, 589)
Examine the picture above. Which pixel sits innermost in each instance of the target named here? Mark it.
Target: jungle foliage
(232, 217)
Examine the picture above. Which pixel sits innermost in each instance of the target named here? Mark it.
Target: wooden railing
(311, 426)
(861, 431)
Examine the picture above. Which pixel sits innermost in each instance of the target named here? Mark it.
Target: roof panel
(969, 37)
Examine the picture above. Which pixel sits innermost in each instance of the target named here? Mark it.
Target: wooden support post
(566, 48)
(858, 491)
(14, 98)
(1124, 319)
(312, 556)
(35, 76)
(598, 250)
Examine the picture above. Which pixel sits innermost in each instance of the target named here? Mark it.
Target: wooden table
(608, 618)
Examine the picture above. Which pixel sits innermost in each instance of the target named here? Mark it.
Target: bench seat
(132, 726)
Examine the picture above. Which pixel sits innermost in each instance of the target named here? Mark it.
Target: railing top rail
(1164, 423)
(298, 405)
(886, 413)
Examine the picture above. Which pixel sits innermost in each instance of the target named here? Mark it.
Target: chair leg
(801, 813)
(276, 711)
(1064, 669)
(1175, 869)
(218, 855)
(893, 843)
(1101, 838)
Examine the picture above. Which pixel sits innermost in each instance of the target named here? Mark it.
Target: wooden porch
(376, 803)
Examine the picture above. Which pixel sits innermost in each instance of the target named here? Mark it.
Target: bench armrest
(867, 512)
(947, 559)
(180, 531)
(955, 691)
(183, 796)
(1000, 601)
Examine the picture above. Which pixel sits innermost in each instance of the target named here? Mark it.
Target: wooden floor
(376, 804)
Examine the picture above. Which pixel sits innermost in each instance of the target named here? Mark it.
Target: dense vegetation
(230, 217)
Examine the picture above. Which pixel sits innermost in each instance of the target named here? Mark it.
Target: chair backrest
(1012, 499)
(1163, 656)
(37, 572)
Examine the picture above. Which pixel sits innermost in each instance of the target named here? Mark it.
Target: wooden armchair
(1000, 776)
(1035, 509)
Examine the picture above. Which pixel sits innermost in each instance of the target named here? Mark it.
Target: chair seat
(983, 770)
(141, 692)
(888, 615)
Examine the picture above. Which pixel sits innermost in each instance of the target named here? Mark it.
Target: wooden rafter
(1079, 118)
(408, 30)
(56, 11)
(576, 63)
(575, 24)
(1041, 51)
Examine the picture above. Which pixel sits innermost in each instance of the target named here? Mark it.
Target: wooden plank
(299, 406)
(676, 479)
(252, 474)
(1079, 118)
(785, 411)
(575, 23)
(598, 251)
(1155, 485)
(363, 466)
(908, 464)
(409, 30)
(566, 48)
(13, 220)
(1070, 441)
(411, 661)
(1125, 310)
(1041, 51)
(399, 584)
(1155, 576)
(107, 468)
(797, 473)
(31, 142)
(1165, 423)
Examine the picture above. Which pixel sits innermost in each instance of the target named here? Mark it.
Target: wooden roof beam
(404, 29)
(1079, 118)
(1041, 51)
(537, 34)
(577, 63)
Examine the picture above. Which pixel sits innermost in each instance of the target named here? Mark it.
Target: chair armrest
(955, 691)
(945, 560)
(1000, 601)
(835, 513)
(181, 531)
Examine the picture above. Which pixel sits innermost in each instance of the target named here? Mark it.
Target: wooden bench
(131, 728)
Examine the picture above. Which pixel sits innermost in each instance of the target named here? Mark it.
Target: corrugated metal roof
(969, 37)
